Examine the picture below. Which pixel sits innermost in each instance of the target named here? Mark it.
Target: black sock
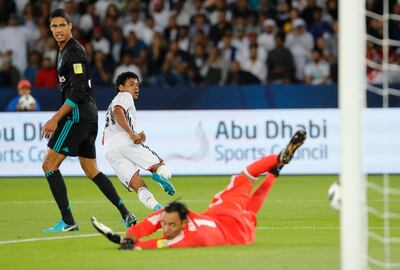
(59, 191)
(109, 191)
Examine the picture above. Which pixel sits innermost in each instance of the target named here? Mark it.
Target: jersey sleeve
(185, 239)
(124, 100)
(147, 226)
(78, 72)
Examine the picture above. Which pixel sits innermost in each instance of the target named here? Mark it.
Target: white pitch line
(185, 201)
(276, 228)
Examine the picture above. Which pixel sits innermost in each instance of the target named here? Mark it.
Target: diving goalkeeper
(229, 220)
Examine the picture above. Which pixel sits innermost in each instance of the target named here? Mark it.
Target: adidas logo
(65, 149)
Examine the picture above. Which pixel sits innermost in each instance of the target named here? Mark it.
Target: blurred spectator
(24, 101)
(148, 31)
(199, 56)
(214, 69)
(308, 11)
(266, 39)
(375, 56)
(159, 9)
(200, 24)
(127, 65)
(33, 66)
(117, 43)
(217, 30)
(135, 24)
(176, 65)
(136, 48)
(280, 63)
(101, 69)
(237, 76)
(227, 50)
(394, 25)
(331, 13)
(155, 59)
(7, 8)
(89, 19)
(72, 9)
(317, 71)
(99, 42)
(46, 76)
(240, 8)
(183, 38)
(171, 31)
(50, 50)
(332, 42)
(183, 12)
(318, 27)
(300, 43)
(255, 64)
(15, 38)
(294, 14)
(9, 74)
(39, 44)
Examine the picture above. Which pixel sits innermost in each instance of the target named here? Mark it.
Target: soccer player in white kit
(124, 147)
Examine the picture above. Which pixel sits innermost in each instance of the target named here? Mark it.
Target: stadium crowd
(181, 42)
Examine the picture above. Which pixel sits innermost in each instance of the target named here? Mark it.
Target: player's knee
(164, 172)
(47, 166)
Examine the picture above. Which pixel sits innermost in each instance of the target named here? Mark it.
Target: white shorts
(128, 159)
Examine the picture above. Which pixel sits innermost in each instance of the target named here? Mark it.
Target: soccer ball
(334, 195)
(26, 102)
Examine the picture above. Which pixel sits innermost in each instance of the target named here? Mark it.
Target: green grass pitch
(297, 229)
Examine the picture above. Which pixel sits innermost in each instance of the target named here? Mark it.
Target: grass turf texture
(297, 228)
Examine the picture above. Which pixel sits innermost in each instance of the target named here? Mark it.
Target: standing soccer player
(73, 128)
(125, 148)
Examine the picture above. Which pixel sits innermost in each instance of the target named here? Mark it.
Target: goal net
(369, 69)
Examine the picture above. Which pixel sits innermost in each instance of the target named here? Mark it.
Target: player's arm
(51, 125)
(144, 228)
(119, 116)
(79, 76)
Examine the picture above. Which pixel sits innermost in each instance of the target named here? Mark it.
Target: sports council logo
(78, 68)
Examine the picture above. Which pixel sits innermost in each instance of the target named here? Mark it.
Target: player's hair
(123, 77)
(59, 12)
(178, 207)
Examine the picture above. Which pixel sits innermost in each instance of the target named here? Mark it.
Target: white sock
(147, 198)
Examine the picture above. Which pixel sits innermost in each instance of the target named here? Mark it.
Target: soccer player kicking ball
(229, 220)
(125, 148)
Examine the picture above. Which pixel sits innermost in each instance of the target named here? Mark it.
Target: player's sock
(258, 197)
(147, 199)
(105, 185)
(59, 191)
(262, 165)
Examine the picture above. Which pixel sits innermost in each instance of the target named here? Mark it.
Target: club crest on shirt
(78, 68)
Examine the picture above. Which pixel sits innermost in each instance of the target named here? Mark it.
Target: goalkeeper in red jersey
(229, 220)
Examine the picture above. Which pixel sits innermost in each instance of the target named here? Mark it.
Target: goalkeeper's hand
(106, 231)
(126, 244)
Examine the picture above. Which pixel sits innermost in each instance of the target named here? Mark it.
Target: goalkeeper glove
(106, 231)
(126, 244)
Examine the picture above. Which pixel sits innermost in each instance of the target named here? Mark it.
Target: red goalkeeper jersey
(226, 222)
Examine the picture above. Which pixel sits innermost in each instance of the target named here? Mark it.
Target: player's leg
(272, 164)
(89, 166)
(86, 151)
(128, 175)
(257, 199)
(145, 196)
(147, 159)
(54, 157)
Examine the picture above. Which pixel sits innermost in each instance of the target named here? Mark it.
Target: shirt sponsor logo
(78, 68)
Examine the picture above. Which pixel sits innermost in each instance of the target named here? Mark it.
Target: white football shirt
(114, 135)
